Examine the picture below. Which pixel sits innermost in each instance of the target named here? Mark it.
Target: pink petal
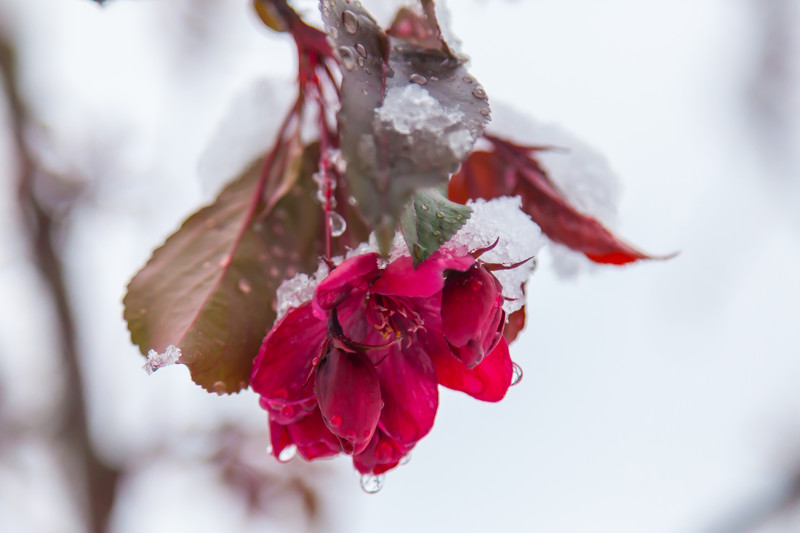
(400, 278)
(313, 439)
(354, 273)
(469, 301)
(349, 397)
(410, 393)
(383, 453)
(284, 363)
(489, 381)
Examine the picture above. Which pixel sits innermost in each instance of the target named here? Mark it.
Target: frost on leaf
(393, 149)
(157, 360)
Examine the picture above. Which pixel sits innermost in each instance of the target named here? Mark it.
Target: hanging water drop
(347, 57)
(350, 21)
(406, 459)
(287, 454)
(244, 286)
(478, 92)
(372, 484)
(516, 375)
(338, 224)
(485, 111)
(418, 79)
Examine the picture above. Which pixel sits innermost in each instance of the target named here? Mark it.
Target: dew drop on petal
(336, 421)
(371, 483)
(347, 57)
(338, 224)
(287, 454)
(244, 286)
(516, 375)
(350, 21)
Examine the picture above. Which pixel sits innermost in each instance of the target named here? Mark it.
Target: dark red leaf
(512, 170)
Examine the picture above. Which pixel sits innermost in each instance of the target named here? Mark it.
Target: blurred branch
(751, 516)
(101, 480)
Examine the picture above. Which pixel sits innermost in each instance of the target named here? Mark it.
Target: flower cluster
(355, 370)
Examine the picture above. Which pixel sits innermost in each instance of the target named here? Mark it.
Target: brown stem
(101, 480)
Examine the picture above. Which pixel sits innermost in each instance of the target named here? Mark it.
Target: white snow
(157, 360)
(519, 239)
(299, 289)
(412, 108)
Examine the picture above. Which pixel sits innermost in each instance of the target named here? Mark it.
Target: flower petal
(400, 278)
(284, 363)
(409, 391)
(354, 273)
(312, 438)
(349, 397)
(489, 381)
(469, 301)
(383, 453)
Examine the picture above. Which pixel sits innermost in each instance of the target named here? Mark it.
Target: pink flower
(356, 370)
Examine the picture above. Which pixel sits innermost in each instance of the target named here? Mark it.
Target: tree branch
(39, 224)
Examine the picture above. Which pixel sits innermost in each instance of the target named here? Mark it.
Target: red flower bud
(472, 313)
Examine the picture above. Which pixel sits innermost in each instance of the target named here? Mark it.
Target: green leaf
(210, 289)
(429, 221)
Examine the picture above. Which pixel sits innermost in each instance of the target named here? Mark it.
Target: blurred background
(663, 397)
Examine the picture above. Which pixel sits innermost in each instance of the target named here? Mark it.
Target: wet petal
(383, 453)
(354, 273)
(282, 366)
(349, 397)
(489, 381)
(410, 393)
(313, 439)
(470, 301)
(400, 278)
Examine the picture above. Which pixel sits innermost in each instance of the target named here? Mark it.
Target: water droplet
(516, 375)
(478, 92)
(350, 21)
(372, 484)
(338, 224)
(361, 50)
(347, 57)
(364, 91)
(287, 454)
(367, 71)
(225, 261)
(439, 214)
(468, 79)
(424, 207)
(352, 201)
(485, 111)
(244, 286)
(218, 387)
(418, 79)
(335, 421)
(360, 61)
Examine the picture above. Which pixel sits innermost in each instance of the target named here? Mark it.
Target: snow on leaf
(391, 149)
(157, 360)
(209, 291)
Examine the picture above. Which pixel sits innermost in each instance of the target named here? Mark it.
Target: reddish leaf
(210, 289)
(512, 170)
